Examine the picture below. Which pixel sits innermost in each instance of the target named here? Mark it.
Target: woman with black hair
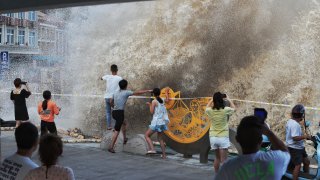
(47, 109)
(219, 129)
(50, 148)
(159, 121)
(18, 96)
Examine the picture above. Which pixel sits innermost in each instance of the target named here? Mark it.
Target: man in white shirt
(19, 164)
(112, 87)
(294, 140)
(255, 164)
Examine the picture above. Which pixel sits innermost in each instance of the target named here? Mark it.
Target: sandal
(109, 128)
(125, 140)
(151, 152)
(111, 150)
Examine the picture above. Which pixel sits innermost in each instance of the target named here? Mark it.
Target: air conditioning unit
(22, 23)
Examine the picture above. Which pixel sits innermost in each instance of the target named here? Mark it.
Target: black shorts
(118, 115)
(297, 156)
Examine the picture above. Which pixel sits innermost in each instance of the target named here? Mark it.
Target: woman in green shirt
(219, 129)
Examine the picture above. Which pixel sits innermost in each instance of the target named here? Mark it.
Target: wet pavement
(90, 162)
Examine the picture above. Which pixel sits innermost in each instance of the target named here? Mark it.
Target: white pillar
(2, 35)
(16, 35)
(26, 37)
(5, 34)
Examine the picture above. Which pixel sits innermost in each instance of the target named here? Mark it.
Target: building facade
(52, 36)
(53, 46)
(36, 43)
(19, 37)
(19, 30)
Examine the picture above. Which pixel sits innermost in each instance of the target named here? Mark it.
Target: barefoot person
(47, 109)
(18, 96)
(159, 121)
(219, 129)
(119, 101)
(112, 87)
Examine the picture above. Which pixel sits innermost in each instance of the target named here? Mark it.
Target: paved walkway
(90, 162)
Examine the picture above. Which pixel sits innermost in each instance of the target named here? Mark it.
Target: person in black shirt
(18, 96)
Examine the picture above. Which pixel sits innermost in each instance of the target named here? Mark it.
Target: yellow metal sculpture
(187, 123)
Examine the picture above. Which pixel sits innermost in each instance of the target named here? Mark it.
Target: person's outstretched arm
(103, 77)
(27, 87)
(152, 105)
(135, 93)
(27, 92)
(231, 102)
(210, 103)
(299, 138)
(277, 144)
(167, 95)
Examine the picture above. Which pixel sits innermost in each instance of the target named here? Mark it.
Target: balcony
(9, 21)
(15, 49)
(32, 24)
(22, 23)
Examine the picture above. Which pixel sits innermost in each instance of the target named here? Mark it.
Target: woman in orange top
(47, 109)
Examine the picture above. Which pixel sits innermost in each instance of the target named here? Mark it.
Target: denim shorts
(219, 142)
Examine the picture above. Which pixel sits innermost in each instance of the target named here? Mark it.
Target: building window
(10, 15)
(32, 38)
(0, 35)
(10, 36)
(32, 15)
(21, 37)
(60, 43)
(21, 15)
(41, 36)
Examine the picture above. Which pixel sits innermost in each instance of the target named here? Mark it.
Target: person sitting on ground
(47, 109)
(294, 140)
(159, 121)
(18, 96)
(219, 129)
(112, 87)
(50, 148)
(119, 101)
(19, 164)
(255, 164)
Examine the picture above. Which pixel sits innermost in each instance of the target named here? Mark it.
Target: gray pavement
(90, 162)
